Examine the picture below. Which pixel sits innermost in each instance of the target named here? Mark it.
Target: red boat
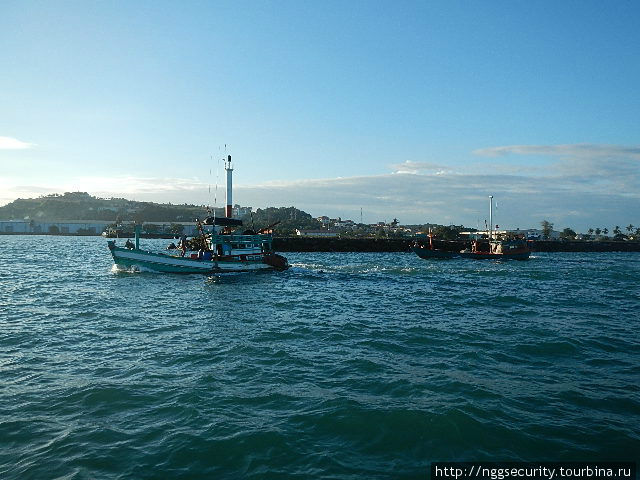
(497, 245)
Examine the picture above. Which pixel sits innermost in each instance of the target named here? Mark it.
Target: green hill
(290, 219)
(82, 206)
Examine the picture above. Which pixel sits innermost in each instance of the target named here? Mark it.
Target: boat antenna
(209, 199)
(215, 204)
(490, 217)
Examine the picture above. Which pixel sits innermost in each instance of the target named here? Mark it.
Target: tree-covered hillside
(82, 206)
(290, 219)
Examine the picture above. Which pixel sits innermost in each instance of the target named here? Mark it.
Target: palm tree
(605, 231)
(617, 230)
(598, 231)
(629, 228)
(590, 231)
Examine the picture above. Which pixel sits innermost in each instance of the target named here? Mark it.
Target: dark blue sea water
(347, 366)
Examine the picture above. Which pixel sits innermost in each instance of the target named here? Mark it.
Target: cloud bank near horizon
(575, 150)
(9, 143)
(582, 187)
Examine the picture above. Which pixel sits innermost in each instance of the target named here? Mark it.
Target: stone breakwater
(306, 244)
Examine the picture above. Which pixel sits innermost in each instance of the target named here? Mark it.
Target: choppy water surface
(347, 366)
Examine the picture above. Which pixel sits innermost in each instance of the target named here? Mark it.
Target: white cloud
(8, 143)
(577, 190)
(419, 167)
(571, 150)
(130, 185)
(140, 188)
(523, 200)
(615, 166)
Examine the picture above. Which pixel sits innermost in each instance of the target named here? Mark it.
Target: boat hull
(159, 262)
(428, 254)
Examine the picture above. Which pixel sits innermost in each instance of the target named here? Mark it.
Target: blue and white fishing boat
(217, 249)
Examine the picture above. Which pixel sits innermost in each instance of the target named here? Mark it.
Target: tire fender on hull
(276, 261)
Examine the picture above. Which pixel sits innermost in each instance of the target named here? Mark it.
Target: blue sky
(414, 110)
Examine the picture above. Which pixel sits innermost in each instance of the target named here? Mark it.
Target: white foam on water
(132, 269)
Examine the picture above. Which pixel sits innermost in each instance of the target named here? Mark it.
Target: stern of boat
(278, 262)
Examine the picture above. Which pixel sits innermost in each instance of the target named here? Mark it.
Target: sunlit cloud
(141, 188)
(10, 190)
(419, 167)
(127, 185)
(8, 143)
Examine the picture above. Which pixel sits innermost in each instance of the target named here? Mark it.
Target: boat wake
(118, 269)
(351, 269)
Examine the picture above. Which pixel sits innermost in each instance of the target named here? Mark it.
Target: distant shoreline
(318, 244)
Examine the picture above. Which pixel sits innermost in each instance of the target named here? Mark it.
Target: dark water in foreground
(348, 366)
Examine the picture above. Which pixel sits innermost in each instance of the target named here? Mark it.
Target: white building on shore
(72, 227)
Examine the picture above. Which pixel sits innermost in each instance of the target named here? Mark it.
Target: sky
(415, 110)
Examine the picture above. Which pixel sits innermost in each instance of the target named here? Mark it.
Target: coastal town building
(239, 211)
(537, 234)
(339, 223)
(86, 227)
(324, 220)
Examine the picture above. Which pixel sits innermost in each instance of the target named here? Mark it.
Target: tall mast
(229, 169)
(490, 217)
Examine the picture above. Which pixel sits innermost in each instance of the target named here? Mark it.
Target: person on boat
(183, 245)
(129, 244)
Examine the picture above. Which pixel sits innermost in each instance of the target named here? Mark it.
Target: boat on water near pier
(223, 253)
(482, 249)
(217, 249)
(492, 245)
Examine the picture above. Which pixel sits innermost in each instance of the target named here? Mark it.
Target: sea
(346, 366)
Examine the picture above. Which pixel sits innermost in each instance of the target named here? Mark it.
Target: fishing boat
(217, 249)
(495, 245)
(483, 249)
